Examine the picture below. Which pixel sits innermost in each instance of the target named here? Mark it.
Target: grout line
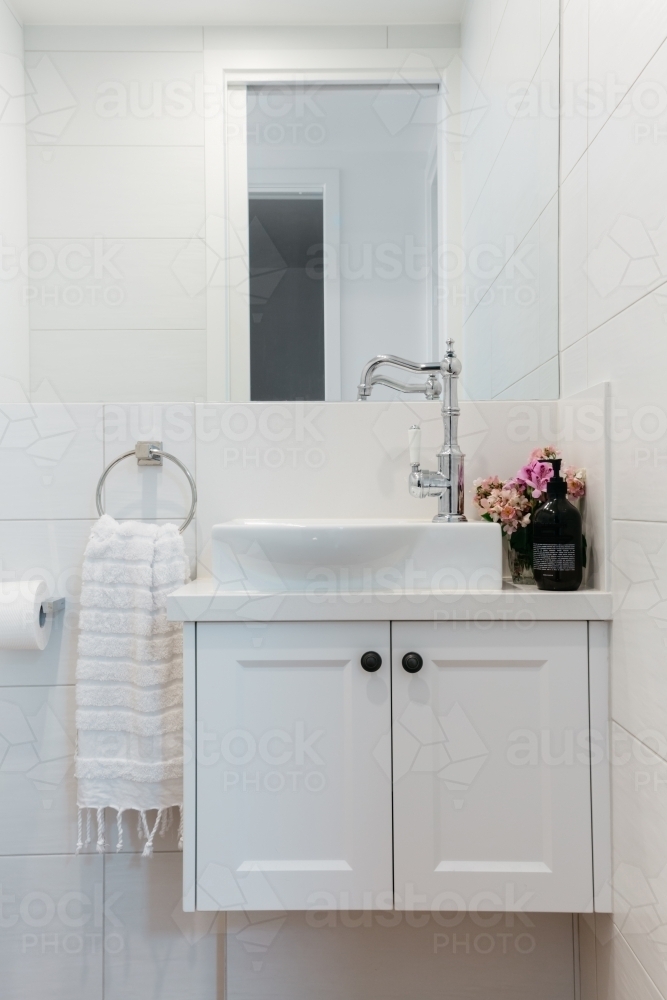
(555, 195)
(638, 520)
(644, 295)
(532, 371)
(87, 854)
(513, 122)
(637, 959)
(638, 740)
(625, 94)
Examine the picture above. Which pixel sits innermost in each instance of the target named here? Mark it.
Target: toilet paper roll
(24, 623)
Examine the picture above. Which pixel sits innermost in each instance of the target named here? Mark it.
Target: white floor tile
(51, 941)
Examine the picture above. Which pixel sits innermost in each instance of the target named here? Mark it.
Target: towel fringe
(164, 821)
(101, 832)
(148, 849)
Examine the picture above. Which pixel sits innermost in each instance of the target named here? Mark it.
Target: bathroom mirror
(380, 209)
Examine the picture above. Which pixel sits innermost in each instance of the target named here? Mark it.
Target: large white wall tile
(541, 383)
(639, 650)
(296, 956)
(135, 491)
(117, 98)
(137, 284)
(573, 250)
(37, 785)
(574, 79)
(167, 954)
(631, 351)
(52, 550)
(627, 230)
(118, 365)
(574, 368)
(115, 191)
(50, 458)
(620, 976)
(623, 38)
(639, 791)
(515, 324)
(53, 930)
(72, 38)
(14, 320)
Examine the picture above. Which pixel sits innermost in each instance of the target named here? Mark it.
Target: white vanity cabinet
(465, 784)
(492, 789)
(293, 766)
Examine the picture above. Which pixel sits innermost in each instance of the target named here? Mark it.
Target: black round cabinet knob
(371, 661)
(412, 662)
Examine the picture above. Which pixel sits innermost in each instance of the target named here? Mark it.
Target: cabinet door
(293, 767)
(492, 806)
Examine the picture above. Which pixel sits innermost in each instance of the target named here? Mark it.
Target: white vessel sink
(352, 556)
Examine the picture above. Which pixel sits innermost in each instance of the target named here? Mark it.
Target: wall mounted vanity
(450, 771)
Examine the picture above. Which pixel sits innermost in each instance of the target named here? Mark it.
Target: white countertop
(203, 600)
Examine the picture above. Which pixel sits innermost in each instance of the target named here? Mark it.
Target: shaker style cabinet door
(293, 766)
(492, 800)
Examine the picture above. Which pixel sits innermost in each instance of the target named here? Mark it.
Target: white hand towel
(129, 678)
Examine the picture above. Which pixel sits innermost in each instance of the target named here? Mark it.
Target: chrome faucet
(447, 483)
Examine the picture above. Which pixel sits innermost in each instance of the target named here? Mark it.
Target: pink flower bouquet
(512, 503)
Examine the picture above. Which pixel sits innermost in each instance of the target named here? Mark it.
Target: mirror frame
(225, 232)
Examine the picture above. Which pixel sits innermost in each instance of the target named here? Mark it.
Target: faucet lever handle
(415, 443)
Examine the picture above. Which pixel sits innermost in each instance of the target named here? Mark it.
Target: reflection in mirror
(342, 186)
(385, 218)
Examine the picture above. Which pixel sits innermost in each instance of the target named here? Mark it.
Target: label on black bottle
(553, 558)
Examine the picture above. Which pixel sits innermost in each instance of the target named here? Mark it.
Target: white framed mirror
(365, 202)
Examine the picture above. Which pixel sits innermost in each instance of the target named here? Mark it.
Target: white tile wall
(151, 365)
(166, 954)
(54, 929)
(509, 170)
(253, 459)
(355, 957)
(613, 324)
(124, 192)
(613, 259)
(14, 319)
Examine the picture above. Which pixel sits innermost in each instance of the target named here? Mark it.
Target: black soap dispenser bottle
(557, 541)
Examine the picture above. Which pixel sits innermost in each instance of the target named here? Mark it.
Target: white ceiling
(246, 12)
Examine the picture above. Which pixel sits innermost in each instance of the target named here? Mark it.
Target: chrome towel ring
(149, 453)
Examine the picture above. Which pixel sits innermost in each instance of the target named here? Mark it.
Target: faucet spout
(370, 377)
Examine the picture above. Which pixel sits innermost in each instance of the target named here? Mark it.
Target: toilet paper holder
(54, 607)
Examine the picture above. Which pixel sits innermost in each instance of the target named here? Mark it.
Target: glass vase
(520, 555)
